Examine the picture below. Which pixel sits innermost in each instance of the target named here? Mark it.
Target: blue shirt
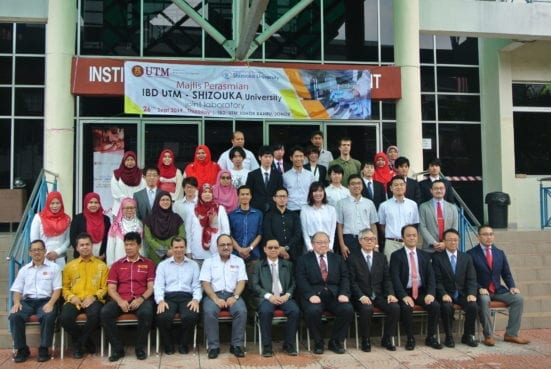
(245, 226)
(177, 277)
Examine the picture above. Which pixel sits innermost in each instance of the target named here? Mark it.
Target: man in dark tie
(145, 197)
(273, 284)
(264, 181)
(324, 285)
(455, 284)
(278, 151)
(413, 280)
(373, 190)
(491, 266)
(371, 287)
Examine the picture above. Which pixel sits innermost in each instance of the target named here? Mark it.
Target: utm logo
(137, 70)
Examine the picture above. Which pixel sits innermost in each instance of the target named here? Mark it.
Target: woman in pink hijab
(224, 192)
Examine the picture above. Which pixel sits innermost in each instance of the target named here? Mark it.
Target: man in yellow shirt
(84, 291)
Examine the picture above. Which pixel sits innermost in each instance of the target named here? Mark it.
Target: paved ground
(504, 355)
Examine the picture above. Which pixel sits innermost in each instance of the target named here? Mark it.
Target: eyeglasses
(272, 247)
(373, 239)
(225, 177)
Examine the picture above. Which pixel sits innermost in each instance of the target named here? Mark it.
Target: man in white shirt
(325, 157)
(297, 180)
(238, 140)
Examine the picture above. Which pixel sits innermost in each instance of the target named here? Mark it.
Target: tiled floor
(504, 355)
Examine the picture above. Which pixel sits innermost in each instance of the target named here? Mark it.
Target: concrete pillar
(406, 56)
(59, 103)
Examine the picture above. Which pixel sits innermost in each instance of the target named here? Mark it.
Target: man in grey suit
(435, 216)
(145, 197)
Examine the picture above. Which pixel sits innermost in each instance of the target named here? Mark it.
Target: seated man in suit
(413, 280)
(491, 266)
(455, 284)
(435, 216)
(273, 283)
(264, 181)
(323, 284)
(371, 287)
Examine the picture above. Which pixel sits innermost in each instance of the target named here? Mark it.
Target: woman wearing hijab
(91, 221)
(170, 177)
(202, 168)
(207, 222)
(393, 153)
(224, 192)
(125, 221)
(383, 173)
(161, 226)
(51, 225)
(127, 180)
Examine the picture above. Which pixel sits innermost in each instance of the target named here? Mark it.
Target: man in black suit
(377, 194)
(279, 164)
(273, 284)
(456, 284)
(434, 174)
(264, 181)
(145, 197)
(323, 284)
(371, 287)
(413, 280)
(413, 191)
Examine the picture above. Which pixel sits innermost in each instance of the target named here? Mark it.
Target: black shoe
(116, 355)
(169, 349)
(432, 342)
(140, 354)
(469, 340)
(43, 354)
(213, 353)
(449, 342)
(318, 348)
(366, 345)
(183, 349)
(77, 352)
(237, 351)
(290, 349)
(336, 347)
(90, 346)
(410, 344)
(267, 351)
(387, 343)
(22, 355)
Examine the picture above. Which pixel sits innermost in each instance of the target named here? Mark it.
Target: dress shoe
(77, 352)
(43, 354)
(489, 341)
(22, 355)
(237, 351)
(183, 349)
(213, 353)
(140, 354)
(116, 355)
(469, 340)
(90, 346)
(366, 345)
(432, 342)
(318, 348)
(449, 342)
(169, 349)
(336, 347)
(267, 351)
(515, 339)
(410, 344)
(290, 349)
(387, 343)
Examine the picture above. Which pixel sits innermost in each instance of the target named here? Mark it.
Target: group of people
(238, 235)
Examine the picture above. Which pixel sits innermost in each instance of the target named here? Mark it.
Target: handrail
(18, 252)
(545, 195)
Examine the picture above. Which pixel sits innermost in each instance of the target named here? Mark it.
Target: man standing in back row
(348, 164)
(238, 140)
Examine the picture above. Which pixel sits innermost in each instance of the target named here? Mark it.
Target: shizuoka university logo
(137, 71)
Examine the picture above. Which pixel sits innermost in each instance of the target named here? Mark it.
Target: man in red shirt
(130, 286)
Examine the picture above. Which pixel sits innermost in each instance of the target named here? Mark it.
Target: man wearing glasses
(223, 278)
(273, 284)
(36, 290)
(491, 266)
(372, 287)
(324, 285)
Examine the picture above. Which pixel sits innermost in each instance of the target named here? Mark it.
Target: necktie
(369, 190)
(323, 267)
(489, 260)
(440, 219)
(151, 197)
(454, 265)
(275, 281)
(266, 179)
(279, 167)
(414, 278)
(368, 259)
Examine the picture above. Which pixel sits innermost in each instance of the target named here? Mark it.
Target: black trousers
(471, 311)
(343, 312)
(365, 313)
(80, 334)
(433, 309)
(177, 303)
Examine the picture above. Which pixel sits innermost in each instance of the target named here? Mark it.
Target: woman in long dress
(126, 180)
(170, 177)
(125, 221)
(51, 225)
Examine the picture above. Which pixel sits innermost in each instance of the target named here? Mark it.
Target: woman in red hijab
(170, 177)
(383, 173)
(51, 225)
(202, 168)
(127, 180)
(93, 221)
